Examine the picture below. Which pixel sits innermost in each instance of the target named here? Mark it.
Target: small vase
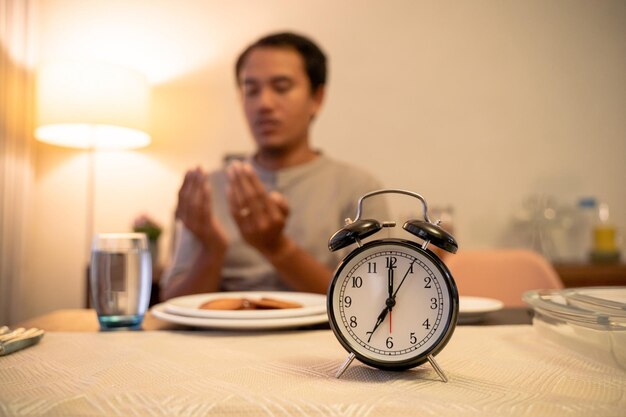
(154, 252)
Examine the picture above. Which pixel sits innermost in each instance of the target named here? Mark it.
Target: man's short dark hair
(314, 58)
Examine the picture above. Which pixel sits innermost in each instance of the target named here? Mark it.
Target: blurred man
(264, 223)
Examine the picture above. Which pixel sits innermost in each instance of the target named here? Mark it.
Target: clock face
(392, 304)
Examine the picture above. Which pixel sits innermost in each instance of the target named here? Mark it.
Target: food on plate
(225, 304)
(263, 303)
(266, 303)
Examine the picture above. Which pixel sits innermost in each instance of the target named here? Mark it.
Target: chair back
(503, 274)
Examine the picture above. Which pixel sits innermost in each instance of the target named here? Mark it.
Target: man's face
(277, 99)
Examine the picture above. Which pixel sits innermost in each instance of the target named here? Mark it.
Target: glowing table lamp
(91, 106)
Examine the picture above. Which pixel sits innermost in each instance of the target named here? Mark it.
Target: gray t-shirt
(321, 195)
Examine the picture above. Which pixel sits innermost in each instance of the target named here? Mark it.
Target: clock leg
(437, 368)
(345, 365)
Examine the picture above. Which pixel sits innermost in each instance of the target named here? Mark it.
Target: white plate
(243, 324)
(188, 305)
(474, 309)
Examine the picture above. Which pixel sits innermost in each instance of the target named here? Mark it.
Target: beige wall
(474, 104)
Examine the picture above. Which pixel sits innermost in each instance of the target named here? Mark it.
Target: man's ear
(318, 99)
(318, 96)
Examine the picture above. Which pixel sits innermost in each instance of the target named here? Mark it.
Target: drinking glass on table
(121, 279)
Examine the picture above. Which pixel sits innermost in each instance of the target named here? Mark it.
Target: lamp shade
(92, 105)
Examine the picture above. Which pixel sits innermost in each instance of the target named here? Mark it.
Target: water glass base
(128, 322)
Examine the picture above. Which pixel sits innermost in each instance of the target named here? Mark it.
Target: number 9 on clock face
(392, 304)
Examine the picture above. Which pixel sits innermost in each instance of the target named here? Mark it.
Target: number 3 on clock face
(393, 304)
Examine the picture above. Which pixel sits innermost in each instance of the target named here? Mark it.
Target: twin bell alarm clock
(392, 303)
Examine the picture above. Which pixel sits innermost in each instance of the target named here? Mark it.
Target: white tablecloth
(493, 371)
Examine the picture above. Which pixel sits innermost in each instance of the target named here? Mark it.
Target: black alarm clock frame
(392, 303)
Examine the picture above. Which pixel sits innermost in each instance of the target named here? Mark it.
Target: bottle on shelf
(582, 229)
(604, 244)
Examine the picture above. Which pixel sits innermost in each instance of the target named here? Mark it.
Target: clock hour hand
(379, 320)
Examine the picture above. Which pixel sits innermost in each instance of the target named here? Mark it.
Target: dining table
(500, 366)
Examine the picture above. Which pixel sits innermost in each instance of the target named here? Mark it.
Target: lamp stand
(89, 208)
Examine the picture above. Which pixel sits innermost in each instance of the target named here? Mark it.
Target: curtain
(16, 147)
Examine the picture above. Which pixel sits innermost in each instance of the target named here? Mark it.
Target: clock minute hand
(390, 281)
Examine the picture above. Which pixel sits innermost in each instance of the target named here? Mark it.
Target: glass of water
(121, 279)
